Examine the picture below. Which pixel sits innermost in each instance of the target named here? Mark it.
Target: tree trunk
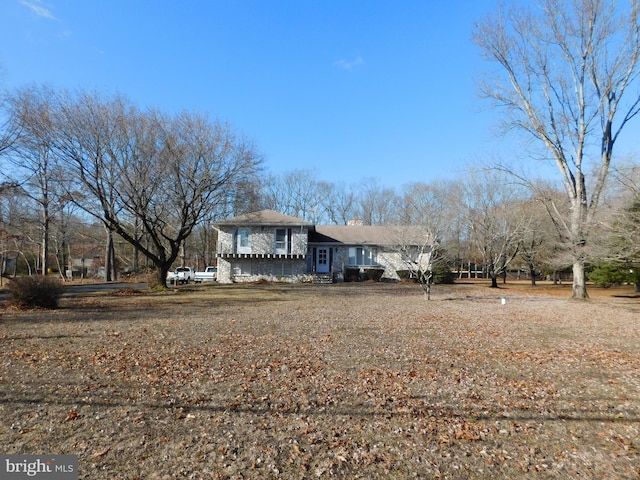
(136, 260)
(425, 279)
(532, 272)
(579, 281)
(136, 251)
(45, 241)
(108, 257)
(114, 266)
(161, 273)
(494, 281)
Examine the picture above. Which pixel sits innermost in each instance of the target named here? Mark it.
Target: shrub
(352, 275)
(607, 274)
(355, 274)
(442, 275)
(373, 274)
(406, 276)
(35, 291)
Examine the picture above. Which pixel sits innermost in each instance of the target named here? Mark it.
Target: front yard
(346, 381)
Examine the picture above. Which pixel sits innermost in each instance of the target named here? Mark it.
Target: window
(283, 269)
(242, 240)
(361, 257)
(242, 268)
(283, 241)
(322, 256)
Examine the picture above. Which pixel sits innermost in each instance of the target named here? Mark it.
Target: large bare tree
(566, 75)
(34, 167)
(150, 177)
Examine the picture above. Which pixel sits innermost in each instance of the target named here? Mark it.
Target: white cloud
(37, 8)
(350, 64)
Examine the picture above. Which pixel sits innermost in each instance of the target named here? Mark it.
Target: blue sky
(350, 89)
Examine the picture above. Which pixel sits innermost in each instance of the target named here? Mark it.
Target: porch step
(322, 278)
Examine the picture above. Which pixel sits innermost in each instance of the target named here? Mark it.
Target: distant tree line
(98, 180)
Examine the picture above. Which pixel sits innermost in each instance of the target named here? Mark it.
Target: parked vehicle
(181, 275)
(210, 274)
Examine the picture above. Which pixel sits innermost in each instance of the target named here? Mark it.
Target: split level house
(271, 246)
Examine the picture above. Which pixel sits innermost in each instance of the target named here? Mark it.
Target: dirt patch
(352, 381)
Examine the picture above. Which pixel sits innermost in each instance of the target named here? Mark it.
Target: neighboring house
(272, 246)
(91, 266)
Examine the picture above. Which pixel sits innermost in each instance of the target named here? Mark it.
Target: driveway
(84, 288)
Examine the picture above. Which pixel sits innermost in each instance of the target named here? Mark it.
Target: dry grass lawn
(344, 381)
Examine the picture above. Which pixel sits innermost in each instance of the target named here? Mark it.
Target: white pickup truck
(210, 274)
(181, 275)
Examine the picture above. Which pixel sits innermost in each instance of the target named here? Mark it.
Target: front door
(322, 260)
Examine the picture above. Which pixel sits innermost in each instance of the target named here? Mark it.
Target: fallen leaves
(320, 383)
(102, 452)
(72, 415)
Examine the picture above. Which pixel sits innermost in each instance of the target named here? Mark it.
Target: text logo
(49, 467)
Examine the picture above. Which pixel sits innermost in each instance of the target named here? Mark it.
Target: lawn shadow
(359, 410)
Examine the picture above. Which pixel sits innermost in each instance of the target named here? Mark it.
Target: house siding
(259, 259)
(262, 240)
(255, 269)
(391, 261)
(261, 262)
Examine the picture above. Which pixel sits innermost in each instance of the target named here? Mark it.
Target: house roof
(343, 234)
(264, 218)
(369, 234)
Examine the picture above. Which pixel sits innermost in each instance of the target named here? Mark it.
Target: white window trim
(239, 235)
(369, 257)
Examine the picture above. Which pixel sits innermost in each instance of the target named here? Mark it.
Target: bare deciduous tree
(340, 203)
(379, 205)
(426, 215)
(35, 168)
(9, 130)
(565, 73)
(297, 193)
(167, 172)
(537, 237)
(15, 223)
(494, 219)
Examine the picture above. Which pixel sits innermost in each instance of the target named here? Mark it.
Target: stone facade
(267, 245)
(262, 240)
(262, 246)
